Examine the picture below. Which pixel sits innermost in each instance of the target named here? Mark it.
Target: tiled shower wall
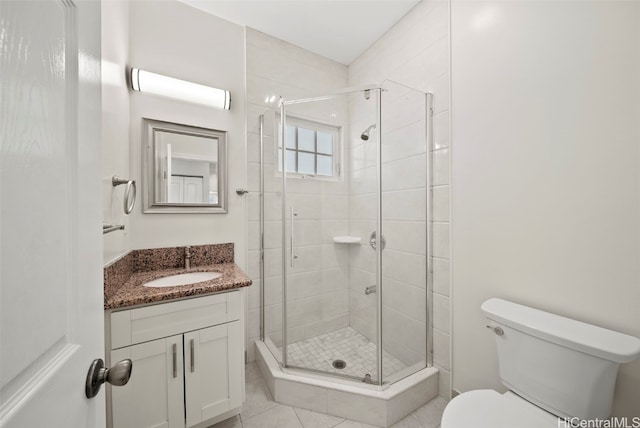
(318, 292)
(415, 53)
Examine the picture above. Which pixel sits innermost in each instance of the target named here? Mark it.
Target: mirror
(184, 168)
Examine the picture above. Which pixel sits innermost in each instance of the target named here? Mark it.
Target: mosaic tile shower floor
(346, 344)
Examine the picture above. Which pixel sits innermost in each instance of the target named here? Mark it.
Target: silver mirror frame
(148, 174)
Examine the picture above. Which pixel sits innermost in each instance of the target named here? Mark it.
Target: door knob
(117, 375)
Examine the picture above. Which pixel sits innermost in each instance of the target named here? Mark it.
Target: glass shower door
(405, 222)
(328, 330)
(365, 291)
(270, 206)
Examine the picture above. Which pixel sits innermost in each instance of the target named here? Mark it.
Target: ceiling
(337, 29)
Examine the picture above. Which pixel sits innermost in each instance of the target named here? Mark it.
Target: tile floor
(347, 345)
(260, 411)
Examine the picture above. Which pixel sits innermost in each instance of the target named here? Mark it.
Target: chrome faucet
(187, 257)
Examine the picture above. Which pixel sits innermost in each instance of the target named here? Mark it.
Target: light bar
(157, 84)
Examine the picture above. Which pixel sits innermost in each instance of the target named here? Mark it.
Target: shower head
(365, 134)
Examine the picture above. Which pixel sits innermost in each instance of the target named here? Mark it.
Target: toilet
(554, 367)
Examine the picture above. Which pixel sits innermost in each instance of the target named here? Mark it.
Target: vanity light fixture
(157, 84)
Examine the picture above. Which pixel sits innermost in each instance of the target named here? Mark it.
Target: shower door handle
(292, 256)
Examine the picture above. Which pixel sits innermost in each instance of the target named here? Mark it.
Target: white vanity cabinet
(188, 362)
(155, 396)
(212, 374)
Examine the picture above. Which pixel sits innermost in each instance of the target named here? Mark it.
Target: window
(311, 148)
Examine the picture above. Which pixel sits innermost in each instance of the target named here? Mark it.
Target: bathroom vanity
(186, 342)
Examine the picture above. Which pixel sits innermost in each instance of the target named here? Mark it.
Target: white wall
(545, 171)
(415, 53)
(115, 123)
(171, 38)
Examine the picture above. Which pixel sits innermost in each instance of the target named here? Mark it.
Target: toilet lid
(486, 408)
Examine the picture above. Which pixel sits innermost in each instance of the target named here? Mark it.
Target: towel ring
(129, 201)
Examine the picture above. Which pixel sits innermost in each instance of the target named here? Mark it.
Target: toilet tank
(565, 366)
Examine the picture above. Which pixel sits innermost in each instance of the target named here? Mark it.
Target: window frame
(337, 136)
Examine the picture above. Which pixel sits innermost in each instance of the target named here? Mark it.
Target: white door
(168, 172)
(51, 316)
(193, 190)
(186, 190)
(176, 190)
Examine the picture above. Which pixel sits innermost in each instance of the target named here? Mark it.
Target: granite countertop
(132, 293)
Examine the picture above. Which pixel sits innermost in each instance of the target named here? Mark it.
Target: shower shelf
(346, 239)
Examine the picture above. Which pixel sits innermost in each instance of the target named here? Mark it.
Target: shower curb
(363, 403)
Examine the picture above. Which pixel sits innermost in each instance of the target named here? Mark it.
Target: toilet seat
(486, 408)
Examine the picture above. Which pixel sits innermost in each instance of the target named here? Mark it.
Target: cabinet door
(154, 396)
(213, 371)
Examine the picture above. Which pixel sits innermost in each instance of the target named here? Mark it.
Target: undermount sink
(182, 279)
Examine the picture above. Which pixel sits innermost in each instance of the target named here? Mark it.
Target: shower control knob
(372, 240)
(497, 330)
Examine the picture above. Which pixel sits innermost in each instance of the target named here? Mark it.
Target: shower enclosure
(345, 233)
